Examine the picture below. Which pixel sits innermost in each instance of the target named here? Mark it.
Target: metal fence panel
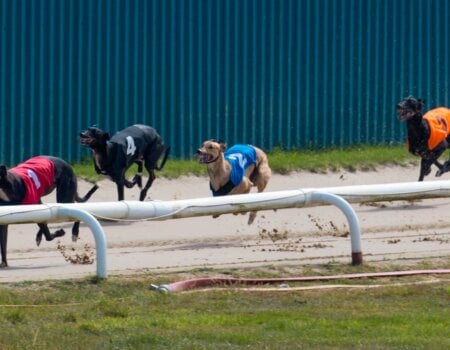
(290, 73)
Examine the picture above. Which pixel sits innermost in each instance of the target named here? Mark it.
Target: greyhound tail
(166, 154)
(87, 195)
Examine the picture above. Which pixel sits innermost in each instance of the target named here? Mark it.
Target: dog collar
(222, 191)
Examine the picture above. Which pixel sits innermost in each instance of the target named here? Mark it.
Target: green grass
(123, 313)
(352, 159)
(281, 162)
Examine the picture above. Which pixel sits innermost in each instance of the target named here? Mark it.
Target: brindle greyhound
(234, 170)
(33, 179)
(428, 134)
(113, 156)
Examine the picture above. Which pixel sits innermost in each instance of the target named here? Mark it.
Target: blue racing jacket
(240, 157)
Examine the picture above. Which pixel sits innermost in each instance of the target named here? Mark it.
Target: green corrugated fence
(295, 74)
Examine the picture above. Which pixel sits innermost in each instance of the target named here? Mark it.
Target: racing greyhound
(234, 170)
(428, 133)
(114, 155)
(29, 181)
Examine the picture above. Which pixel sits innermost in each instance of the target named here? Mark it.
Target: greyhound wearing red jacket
(29, 181)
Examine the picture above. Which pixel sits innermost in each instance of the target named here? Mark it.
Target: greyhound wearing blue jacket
(234, 170)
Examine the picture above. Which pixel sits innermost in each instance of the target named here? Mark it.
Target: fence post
(349, 212)
(97, 230)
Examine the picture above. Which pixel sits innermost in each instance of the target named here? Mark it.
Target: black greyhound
(428, 134)
(33, 179)
(113, 156)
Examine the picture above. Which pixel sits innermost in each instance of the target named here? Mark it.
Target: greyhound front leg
(120, 192)
(137, 179)
(425, 168)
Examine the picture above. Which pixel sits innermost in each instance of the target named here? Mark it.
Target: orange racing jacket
(439, 122)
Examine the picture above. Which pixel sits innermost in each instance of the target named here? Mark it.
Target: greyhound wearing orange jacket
(428, 134)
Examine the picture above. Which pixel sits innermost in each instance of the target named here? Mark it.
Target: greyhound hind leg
(43, 229)
(75, 231)
(443, 168)
(3, 244)
(151, 178)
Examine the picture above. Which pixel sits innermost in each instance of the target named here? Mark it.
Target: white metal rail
(164, 210)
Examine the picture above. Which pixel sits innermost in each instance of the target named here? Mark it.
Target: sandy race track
(398, 231)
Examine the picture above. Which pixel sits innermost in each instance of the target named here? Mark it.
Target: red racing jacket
(37, 174)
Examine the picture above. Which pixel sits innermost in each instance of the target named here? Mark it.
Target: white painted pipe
(158, 210)
(163, 210)
(391, 191)
(352, 218)
(16, 214)
(97, 231)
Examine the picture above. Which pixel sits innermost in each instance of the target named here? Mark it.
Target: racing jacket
(240, 158)
(438, 120)
(37, 174)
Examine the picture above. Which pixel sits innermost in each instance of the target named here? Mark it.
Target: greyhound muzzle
(205, 158)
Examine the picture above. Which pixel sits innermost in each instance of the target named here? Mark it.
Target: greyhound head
(7, 193)
(409, 107)
(3, 172)
(94, 137)
(210, 151)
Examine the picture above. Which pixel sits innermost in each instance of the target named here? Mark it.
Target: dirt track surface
(400, 231)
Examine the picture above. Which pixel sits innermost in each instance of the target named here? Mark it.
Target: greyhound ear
(223, 145)
(421, 103)
(103, 136)
(3, 171)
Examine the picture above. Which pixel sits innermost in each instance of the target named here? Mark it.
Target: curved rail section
(97, 230)
(164, 210)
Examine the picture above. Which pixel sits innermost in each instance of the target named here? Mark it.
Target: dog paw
(444, 169)
(59, 233)
(3, 264)
(251, 218)
(137, 179)
(38, 241)
(75, 238)
(441, 171)
(142, 195)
